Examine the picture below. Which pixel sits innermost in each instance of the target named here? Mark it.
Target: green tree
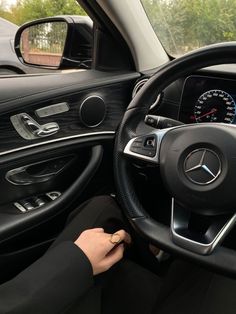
(4, 13)
(28, 10)
(183, 25)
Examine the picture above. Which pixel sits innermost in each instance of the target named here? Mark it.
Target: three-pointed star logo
(203, 166)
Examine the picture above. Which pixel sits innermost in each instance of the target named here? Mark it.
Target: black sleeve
(50, 285)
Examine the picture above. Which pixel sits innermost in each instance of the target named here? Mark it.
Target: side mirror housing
(60, 42)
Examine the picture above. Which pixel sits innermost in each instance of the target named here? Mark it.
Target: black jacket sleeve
(50, 285)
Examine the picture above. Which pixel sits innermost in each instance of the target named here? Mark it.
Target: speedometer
(215, 106)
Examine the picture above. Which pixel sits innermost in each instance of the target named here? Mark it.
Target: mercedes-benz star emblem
(202, 166)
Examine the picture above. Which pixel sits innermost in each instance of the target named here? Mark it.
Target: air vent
(139, 85)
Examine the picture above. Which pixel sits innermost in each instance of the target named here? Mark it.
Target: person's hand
(98, 247)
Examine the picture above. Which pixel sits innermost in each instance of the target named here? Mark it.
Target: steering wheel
(197, 165)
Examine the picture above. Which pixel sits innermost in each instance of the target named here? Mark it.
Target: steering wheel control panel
(208, 99)
(144, 145)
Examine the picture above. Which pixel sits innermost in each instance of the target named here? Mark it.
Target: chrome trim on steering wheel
(159, 134)
(195, 246)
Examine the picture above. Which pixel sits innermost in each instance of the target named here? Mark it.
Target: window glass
(184, 25)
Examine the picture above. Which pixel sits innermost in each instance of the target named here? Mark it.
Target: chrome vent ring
(137, 88)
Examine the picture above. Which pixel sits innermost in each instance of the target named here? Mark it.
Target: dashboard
(208, 99)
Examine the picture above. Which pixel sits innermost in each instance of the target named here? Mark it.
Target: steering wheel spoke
(199, 240)
(146, 147)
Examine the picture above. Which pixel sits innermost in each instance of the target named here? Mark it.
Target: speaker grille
(92, 111)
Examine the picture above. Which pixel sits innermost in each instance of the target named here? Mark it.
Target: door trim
(58, 140)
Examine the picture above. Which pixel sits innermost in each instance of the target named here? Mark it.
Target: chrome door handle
(38, 172)
(20, 176)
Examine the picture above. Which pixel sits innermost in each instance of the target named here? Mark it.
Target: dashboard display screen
(208, 99)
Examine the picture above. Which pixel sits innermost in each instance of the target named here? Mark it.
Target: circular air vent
(139, 85)
(92, 111)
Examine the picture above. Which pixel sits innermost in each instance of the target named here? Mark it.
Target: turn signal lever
(160, 122)
(29, 129)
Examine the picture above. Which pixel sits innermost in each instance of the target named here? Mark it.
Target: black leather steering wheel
(197, 164)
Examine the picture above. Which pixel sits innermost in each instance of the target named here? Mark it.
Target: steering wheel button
(148, 153)
(150, 142)
(137, 150)
(137, 144)
(138, 140)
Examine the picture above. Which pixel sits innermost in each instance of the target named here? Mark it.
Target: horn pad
(198, 167)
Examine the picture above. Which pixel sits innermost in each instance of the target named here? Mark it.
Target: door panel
(26, 90)
(53, 171)
(14, 221)
(116, 98)
(24, 235)
(33, 165)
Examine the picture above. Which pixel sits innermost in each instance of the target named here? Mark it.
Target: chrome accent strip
(198, 247)
(58, 140)
(156, 102)
(138, 87)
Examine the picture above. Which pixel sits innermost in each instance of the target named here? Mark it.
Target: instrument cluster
(208, 99)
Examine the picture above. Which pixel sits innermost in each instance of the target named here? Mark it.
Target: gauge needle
(208, 113)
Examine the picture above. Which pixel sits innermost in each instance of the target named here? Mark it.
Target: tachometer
(215, 106)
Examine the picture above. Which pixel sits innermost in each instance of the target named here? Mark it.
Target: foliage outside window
(184, 25)
(43, 44)
(27, 10)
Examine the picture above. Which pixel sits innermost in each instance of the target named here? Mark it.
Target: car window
(184, 25)
(14, 13)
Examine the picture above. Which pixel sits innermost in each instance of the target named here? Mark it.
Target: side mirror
(57, 42)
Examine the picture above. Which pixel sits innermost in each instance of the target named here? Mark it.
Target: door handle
(38, 172)
(21, 176)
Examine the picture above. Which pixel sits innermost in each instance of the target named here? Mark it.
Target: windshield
(184, 25)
